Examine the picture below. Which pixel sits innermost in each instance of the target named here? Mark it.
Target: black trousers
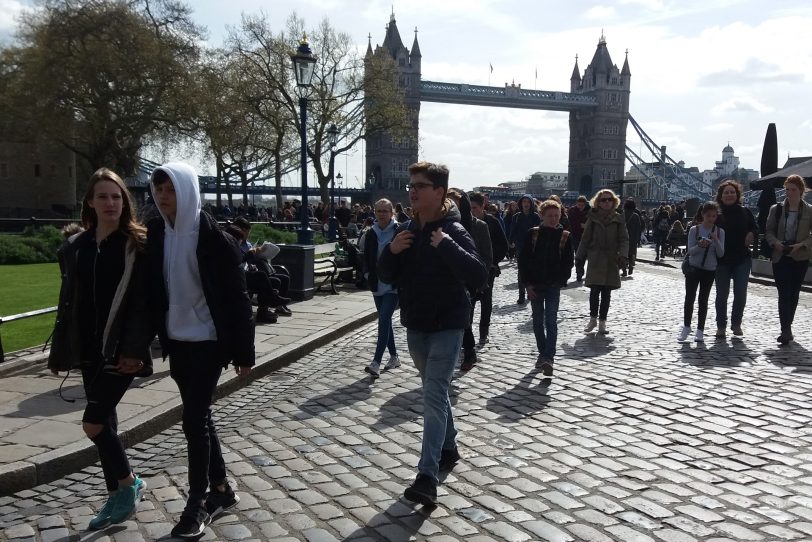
(263, 285)
(485, 299)
(703, 280)
(195, 367)
(104, 391)
(599, 299)
(789, 277)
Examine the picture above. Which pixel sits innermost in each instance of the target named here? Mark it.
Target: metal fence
(17, 317)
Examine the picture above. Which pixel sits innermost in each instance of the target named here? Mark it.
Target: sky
(704, 73)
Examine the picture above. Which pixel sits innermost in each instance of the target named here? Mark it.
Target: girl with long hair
(102, 328)
(740, 232)
(706, 244)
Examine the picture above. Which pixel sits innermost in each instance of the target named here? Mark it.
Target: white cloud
(601, 13)
(718, 127)
(9, 11)
(742, 104)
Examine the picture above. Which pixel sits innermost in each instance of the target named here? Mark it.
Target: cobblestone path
(638, 438)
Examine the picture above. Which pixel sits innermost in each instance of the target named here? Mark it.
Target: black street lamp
(304, 64)
(332, 135)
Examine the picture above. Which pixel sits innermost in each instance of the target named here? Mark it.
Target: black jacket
(499, 240)
(546, 262)
(127, 331)
(737, 221)
(433, 282)
(223, 279)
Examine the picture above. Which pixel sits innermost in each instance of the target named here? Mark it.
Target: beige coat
(775, 231)
(604, 242)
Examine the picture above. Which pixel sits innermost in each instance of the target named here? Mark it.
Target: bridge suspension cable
(678, 182)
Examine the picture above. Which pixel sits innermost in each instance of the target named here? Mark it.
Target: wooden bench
(328, 270)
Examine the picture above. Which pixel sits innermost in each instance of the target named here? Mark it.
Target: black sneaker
(218, 502)
(545, 364)
(422, 491)
(192, 522)
(449, 458)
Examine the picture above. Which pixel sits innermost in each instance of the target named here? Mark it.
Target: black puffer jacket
(126, 328)
(223, 279)
(546, 262)
(433, 282)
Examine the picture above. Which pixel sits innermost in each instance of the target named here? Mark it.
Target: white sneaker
(700, 336)
(683, 334)
(374, 368)
(593, 322)
(393, 363)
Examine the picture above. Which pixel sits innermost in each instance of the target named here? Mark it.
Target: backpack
(663, 225)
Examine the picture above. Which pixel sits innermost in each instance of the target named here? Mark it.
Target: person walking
(499, 244)
(201, 309)
(526, 218)
(102, 329)
(546, 263)
(605, 244)
(660, 228)
(740, 231)
(634, 225)
(434, 262)
(789, 233)
(384, 294)
(706, 244)
(480, 233)
(578, 214)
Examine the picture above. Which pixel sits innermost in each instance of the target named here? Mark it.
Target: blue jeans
(435, 354)
(545, 319)
(740, 273)
(386, 305)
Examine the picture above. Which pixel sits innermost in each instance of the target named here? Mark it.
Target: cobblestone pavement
(638, 438)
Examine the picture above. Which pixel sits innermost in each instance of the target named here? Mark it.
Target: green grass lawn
(25, 288)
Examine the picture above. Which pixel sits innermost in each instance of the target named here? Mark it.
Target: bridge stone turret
(388, 157)
(598, 135)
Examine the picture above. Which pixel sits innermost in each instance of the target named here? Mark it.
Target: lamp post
(332, 134)
(304, 64)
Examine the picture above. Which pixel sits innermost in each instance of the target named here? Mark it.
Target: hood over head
(464, 208)
(187, 193)
(526, 197)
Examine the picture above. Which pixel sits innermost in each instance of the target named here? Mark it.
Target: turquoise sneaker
(102, 518)
(125, 501)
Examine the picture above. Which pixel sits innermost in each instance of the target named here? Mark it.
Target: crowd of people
(187, 279)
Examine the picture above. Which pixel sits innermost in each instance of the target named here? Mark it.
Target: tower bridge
(598, 105)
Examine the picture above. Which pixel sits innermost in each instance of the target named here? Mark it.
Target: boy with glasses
(434, 262)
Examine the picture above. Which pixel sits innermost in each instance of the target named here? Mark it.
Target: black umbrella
(769, 165)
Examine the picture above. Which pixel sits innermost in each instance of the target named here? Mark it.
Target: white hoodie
(188, 318)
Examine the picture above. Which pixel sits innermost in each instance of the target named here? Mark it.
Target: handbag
(765, 248)
(687, 268)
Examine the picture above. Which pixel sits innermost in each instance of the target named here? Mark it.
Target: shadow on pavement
(407, 407)
(358, 391)
(401, 521)
(790, 355)
(713, 352)
(522, 400)
(589, 346)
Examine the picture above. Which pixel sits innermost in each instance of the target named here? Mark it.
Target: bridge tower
(598, 136)
(389, 156)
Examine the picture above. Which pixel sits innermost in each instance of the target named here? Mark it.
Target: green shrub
(35, 245)
(262, 232)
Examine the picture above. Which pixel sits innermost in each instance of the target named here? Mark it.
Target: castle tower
(598, 136)
(388, 157)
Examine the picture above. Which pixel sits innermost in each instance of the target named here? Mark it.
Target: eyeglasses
(604, 200)
(418, 186)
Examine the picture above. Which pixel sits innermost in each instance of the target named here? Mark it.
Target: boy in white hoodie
(203, 315)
